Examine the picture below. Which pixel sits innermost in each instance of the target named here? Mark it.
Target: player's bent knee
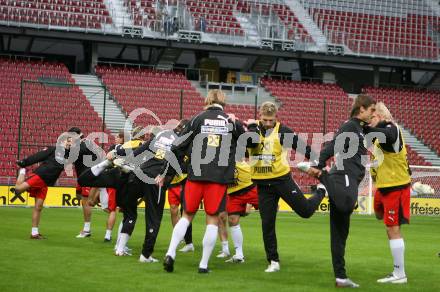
(39, 205)
(188, 214)
(174, 209)
(304, 213)
(18, 191)
(21, 188)
(128, 227)
(89, 203)
(233, 220)
(222, 215)
(394, 231)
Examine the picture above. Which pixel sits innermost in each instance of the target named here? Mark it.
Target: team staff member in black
(154, 151)
(52, 161)
(343, 179)
(271, 173)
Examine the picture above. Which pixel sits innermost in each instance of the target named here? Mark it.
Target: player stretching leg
(52, 161)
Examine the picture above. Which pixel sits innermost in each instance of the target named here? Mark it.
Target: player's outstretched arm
(37, 157)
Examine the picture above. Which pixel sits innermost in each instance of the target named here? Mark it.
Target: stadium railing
(399, 29)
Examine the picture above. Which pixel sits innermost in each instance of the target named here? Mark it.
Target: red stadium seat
(401, 36)
(57, 13)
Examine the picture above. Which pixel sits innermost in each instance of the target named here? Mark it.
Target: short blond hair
(384, 112)
(215, 96)
(268, 108)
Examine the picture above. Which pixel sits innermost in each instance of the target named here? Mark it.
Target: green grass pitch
(65, 263)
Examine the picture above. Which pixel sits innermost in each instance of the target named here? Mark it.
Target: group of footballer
(230, 165)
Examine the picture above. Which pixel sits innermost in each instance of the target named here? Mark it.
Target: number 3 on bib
(213, 140)
(160, 154)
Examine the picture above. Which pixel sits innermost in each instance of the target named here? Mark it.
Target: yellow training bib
(269, 158)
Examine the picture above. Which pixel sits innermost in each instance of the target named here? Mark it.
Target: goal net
(425, 183)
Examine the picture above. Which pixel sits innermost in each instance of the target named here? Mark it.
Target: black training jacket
(151, 155)
(351, 166)
(49, 169)
(210, 139)
(86, 148)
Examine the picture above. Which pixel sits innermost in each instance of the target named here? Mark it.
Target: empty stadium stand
(399, 28)
(142, 12)
(298, 98)
(91, 14)
(48, 109)
(403, 29)
(157, 91)
(218, 15)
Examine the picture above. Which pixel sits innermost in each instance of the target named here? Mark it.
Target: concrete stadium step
(95, 91)
(168, 58)
(119, 13)
(248, 26)
(435, 81)
(237, 96)
(427, 153)
(306, 20)
(263, 64)
(199, 88)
